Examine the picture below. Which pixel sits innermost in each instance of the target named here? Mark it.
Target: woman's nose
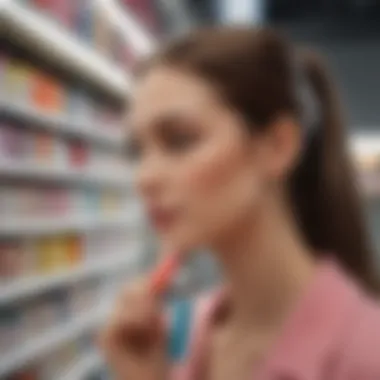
(150, 178)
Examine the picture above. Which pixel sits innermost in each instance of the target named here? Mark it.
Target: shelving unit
(61, 124)
(53, 44)
(21, 289)
(22, 170)
(89, 364)
(57, 46)
(51, 340)
(49, 226)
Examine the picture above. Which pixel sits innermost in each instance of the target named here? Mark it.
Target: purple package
(13, 142)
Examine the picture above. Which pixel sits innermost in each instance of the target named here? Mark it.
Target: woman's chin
(179, 242)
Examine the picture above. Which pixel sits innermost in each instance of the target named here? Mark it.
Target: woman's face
(199, 172)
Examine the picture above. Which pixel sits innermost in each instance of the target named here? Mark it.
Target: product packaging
(85, 21)
(102, 29)
(10, 322)
(78, 154)
(12, 258)
(44, 144)
(17, 81)
(3, 69)
(74, 246)
(14, 143)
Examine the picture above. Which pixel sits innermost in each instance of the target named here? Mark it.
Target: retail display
(85, 21)
(69, 234)
(40, 149)
(46, 256)
(28, 88)
(44, 324)
(145, 11)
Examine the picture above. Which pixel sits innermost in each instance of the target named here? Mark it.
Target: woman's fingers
(134, 330)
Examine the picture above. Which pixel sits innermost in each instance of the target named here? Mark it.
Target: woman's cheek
(213, 180)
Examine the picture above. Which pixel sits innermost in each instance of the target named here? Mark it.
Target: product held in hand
(180, 314)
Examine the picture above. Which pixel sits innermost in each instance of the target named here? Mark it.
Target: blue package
(181, 312)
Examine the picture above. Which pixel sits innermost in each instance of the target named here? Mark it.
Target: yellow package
(17, 81)
(45, 256)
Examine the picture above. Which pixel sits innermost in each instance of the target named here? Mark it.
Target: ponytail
(324, 189)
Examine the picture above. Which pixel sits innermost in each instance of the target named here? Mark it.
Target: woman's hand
(134, 338)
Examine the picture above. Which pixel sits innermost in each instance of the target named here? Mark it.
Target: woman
(239, 146)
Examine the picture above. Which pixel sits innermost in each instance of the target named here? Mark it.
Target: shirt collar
(314, 331)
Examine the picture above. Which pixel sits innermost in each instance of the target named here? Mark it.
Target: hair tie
(308, 102)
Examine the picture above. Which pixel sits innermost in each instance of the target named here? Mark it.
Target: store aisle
(70, 228)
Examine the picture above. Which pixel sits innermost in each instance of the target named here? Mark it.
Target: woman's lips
(162, 219)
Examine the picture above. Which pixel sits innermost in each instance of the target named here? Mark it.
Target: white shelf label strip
(59, 46)
(61, 124)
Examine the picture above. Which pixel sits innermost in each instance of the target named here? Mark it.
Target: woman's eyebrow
(166, 121)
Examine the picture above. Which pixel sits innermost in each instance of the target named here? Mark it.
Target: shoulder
(361, 351)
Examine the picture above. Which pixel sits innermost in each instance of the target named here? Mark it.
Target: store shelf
(21, 170)
(28, 287)
(39, 40)
(87, 365)
(47, 226)
(49, 341)
(142, 42)
(60, 124)
(53, 43)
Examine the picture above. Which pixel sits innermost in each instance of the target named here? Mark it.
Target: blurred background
(71, 231)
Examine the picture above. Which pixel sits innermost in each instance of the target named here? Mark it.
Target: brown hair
(254, 70)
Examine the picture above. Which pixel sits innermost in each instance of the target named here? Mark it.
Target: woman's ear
(283, 142)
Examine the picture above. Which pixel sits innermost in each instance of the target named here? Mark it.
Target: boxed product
(36, 202)
(59, 254)
(145, 11)
(85, 21)
(44, 148)
(78, 154)
(74, 246)
(12, 259)
(102, 31)
(43, 5)
(91, 201)
(17, 81)
(61, 11)
(56, 202)
(10, 322)
(3, 68)
(30, 258)
(109, 202)
(45, 259)
(15, 143)
(47, 94)
(8, 202)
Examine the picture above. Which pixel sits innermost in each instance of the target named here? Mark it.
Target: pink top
(333, 334)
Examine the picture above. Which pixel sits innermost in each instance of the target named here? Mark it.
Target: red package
(79, 154)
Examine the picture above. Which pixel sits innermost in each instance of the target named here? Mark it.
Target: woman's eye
(180, 142)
